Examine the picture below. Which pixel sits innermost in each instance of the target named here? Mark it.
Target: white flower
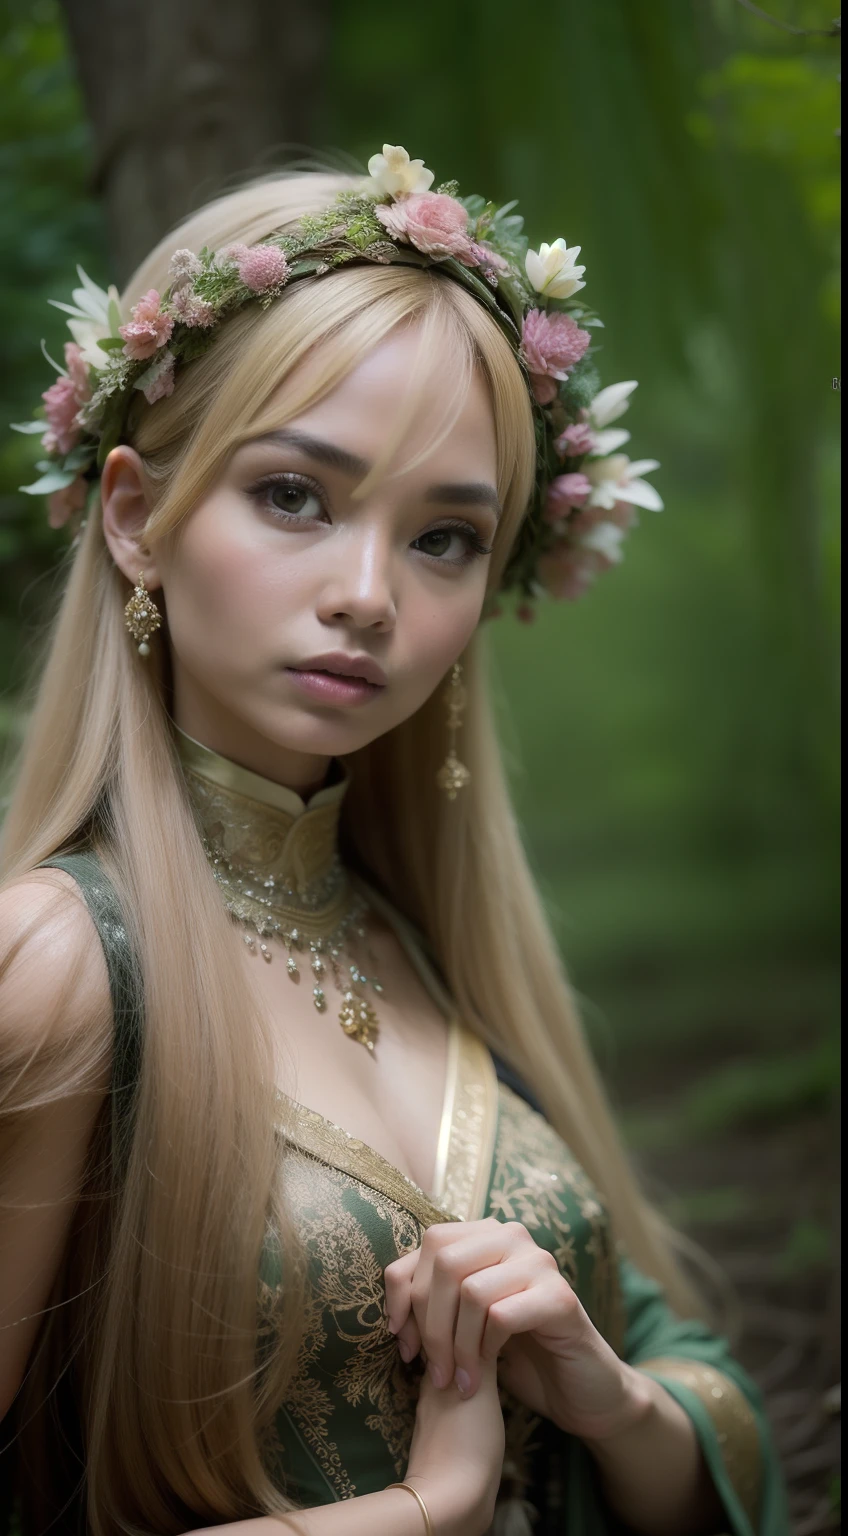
(552, 272)
(607, 406)
(95, 315)
(609, 440)
(617, 478)
(605, 539)
(394, 173)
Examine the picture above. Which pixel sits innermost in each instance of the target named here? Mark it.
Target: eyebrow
(467, 493)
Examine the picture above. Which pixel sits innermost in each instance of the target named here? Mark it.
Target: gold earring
(453, 775)
(141, 616)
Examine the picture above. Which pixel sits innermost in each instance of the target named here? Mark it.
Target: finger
(550, 1306)
(445, 1262)
(398, 1280)
(478, 1293)
(409, 1339)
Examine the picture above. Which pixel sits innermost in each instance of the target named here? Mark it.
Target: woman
(278, 995)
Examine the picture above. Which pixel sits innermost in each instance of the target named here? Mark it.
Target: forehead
(413, 405)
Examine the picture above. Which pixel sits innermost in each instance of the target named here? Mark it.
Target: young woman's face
(282, 578)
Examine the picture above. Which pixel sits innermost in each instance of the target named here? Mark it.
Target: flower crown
(586, 491)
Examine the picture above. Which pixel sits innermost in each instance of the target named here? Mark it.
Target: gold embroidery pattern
(472, 1132)
(733, 1417)
(332, 1144)
(347, 1290)
(296, 852)
(534, 1173)
(308, 1402)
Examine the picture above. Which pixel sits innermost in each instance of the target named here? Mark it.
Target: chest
(392, 1098)
(349, 1417)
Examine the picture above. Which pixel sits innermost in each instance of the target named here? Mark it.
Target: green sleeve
(695, 1365)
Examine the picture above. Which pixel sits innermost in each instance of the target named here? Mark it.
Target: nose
(359, 580)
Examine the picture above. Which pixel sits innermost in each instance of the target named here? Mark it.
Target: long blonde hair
(164, 1267)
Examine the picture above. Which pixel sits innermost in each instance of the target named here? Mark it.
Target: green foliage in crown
(587, 492)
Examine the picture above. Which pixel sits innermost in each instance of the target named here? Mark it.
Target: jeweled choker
(276, 862)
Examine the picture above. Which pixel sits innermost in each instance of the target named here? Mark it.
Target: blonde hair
(163, 1268)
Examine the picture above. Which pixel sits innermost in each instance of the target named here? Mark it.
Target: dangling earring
(141, 616)
(453, 775)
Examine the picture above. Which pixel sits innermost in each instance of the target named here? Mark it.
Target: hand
(478, 1290)
(456, 1456)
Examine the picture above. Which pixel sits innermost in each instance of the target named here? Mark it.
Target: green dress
(346, 1425)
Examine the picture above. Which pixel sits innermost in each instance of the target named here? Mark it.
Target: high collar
(264, 831)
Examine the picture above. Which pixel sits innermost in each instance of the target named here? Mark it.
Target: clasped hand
(477, 1290)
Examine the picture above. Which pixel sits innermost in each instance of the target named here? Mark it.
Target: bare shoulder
(55, 1060)
(54, 984)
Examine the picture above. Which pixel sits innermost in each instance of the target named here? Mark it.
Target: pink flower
(261, 267)
(149, 328)
(575, 441)
(191, 310)
(184, 268)
(564, 493)
(159, 379)
(437, 225)
(61, 404)
(77, 371)
(566, 573)
(487, 256)
(63, 504)
(551, 344)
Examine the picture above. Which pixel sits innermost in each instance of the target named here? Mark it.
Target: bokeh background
(672, 738)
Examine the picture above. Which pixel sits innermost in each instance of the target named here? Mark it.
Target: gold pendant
(452, 776)
(358, 1020)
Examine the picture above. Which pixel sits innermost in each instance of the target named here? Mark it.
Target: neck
(266, 844)
(202, 721)
(275, 858)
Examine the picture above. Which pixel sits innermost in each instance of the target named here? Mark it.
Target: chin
(316, 733)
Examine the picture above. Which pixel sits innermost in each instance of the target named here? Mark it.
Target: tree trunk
(186, 96)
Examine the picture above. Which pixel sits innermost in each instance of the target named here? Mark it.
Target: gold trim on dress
(468, 1128)
(331, 1144)
(473, 1128)
(226, 774)
(733, 1417)
(448, 1105)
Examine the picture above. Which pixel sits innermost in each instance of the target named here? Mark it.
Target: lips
(338, 664)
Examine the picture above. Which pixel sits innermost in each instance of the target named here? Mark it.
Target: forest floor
(761, 1200)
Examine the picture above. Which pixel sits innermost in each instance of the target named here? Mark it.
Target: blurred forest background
(673, 737)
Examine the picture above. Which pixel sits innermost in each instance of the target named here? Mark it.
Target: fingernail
(463, 1381)
(438, 1376)
(393, 1327)
(405, 1351)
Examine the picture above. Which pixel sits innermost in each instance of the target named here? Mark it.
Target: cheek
(437, 633)
(222, 589)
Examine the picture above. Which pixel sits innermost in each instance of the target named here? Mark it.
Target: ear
(125, 514)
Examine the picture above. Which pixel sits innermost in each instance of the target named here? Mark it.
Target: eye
(289, 497)
(455, 543)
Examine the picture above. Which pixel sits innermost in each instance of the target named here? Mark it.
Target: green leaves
(78, 459)
(54, 480)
